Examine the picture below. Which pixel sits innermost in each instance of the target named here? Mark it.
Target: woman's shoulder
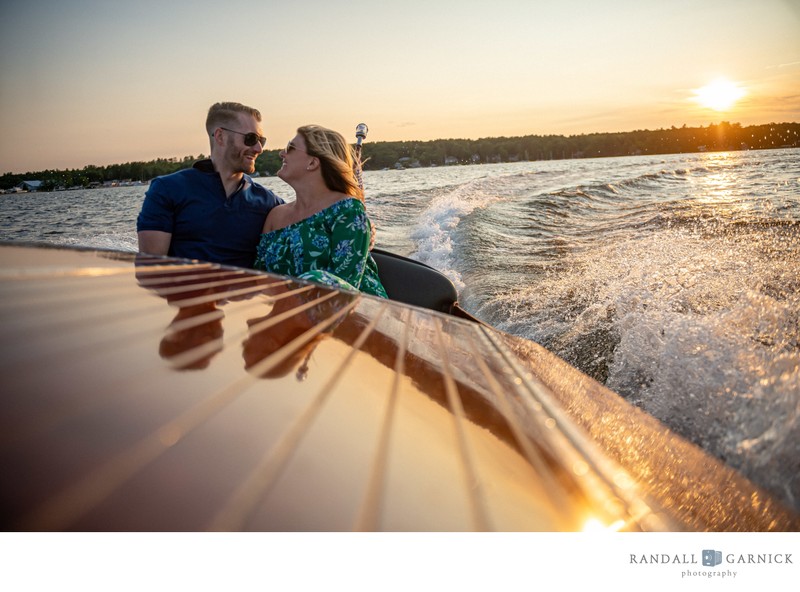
(277, 218)
(281, 218)
(348, 203)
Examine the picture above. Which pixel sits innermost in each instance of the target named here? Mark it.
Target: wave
(126, 242)
(434, 233)
(700, 330)
(645, 185)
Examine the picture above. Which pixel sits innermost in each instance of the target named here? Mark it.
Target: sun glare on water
(719, 95)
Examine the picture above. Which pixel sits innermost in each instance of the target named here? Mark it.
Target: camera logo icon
(711, 558)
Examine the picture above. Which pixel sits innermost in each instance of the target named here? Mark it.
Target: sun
(720, 94)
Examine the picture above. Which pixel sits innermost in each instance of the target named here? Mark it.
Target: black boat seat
(415, 283)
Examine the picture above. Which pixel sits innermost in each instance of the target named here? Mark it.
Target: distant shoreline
(447, 152)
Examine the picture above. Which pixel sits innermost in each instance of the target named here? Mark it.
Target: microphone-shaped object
(361, 133)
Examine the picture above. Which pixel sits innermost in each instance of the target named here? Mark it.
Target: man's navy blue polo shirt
(206, 224)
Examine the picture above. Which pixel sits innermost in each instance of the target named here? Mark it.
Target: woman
(323, 235)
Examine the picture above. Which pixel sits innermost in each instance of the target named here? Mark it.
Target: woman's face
(294, 157)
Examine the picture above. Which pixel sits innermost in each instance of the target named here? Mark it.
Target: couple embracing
(215, 212)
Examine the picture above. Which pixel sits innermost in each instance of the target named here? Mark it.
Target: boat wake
(434, 233)
(702, 333)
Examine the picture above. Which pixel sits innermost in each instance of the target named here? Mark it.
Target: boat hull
(156, 394)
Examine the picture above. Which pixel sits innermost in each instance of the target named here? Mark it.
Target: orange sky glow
(102, 82)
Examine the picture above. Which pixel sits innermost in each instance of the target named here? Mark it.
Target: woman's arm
(349, 243)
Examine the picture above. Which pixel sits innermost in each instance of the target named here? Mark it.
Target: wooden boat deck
(151, 394)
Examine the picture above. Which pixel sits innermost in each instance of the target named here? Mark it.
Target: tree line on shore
(402, 154)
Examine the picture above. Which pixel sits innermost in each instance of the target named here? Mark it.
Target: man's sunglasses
(250, 138)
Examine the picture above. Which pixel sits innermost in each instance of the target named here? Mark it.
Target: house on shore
(30, 185)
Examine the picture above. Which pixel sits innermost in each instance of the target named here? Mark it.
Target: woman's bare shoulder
(276, 217)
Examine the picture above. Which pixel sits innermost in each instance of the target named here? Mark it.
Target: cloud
(786, 65)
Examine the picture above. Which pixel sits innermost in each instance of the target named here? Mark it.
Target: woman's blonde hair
(338, 159)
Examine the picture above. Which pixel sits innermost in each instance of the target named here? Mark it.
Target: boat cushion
(415, 283)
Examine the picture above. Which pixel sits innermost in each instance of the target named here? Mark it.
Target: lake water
(674, 280)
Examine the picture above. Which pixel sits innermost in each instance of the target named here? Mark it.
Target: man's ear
(218, 138)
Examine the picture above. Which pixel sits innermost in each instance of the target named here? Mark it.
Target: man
(212, 211)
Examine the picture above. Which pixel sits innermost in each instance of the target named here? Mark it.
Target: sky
(98, 82)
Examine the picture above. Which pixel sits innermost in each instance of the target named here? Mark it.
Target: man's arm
(154, 242)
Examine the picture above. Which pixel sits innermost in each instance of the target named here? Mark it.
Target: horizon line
(266, 150)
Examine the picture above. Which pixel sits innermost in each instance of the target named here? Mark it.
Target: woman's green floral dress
(330, 247)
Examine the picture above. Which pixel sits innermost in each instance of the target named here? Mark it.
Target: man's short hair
(224, 114)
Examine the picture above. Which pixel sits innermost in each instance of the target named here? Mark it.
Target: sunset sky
(105, 81)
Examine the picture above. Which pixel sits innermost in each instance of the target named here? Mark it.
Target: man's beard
(241, 165)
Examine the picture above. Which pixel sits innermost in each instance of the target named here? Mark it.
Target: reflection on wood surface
(152, 394)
